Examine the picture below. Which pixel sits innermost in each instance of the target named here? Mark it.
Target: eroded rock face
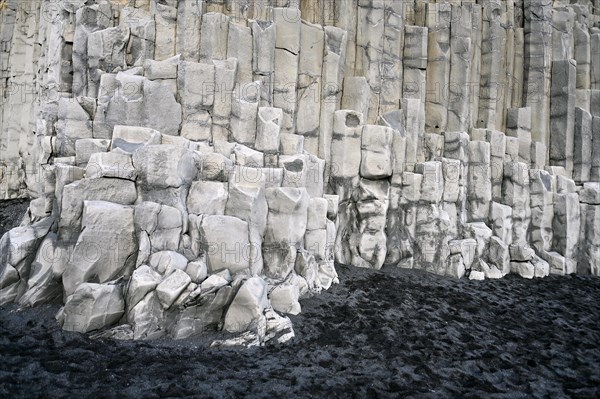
(92, 307)
(190, 173)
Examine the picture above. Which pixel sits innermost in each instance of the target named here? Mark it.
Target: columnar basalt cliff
(200, 165)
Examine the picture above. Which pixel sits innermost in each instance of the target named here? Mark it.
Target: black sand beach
(390, 333)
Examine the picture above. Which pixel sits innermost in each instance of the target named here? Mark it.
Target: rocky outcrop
(200, 166)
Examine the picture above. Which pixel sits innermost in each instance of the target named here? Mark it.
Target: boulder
(166, 261)
(501, 220)
(213, 284)
(247, 306)
(84, 148)
(476, 275)
(92, 307)
(44, 282)
(143, 280)
(267, 129)
(226, 242)
(208, 316)
(540, 266)
(105, 249)
(110, 164)
(432, 183)
(523, 269)
(197, 270)
(376, 155)
(287, 218)
(163, 166)
(130, 138)
(327, 274)
(118, 191)
(284, 299)
(18, 249)
(207, 197)
(214, 166)
(146, 318)
(162, 224)
(171, 287)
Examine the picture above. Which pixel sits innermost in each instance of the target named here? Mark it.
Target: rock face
(194, 167)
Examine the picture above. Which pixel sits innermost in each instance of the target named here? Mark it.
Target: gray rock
(105, 249)
(247, 306)
(171, 287)
(166, 261)
(226, 242)
(207, 197)
(163, 166)
(92, 307)
(110, 164)
(284, 299)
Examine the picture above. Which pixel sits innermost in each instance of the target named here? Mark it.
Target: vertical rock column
(595, 63)
(582, 153)
(166, 30)
(439, 16)
(369, 49)
(475, 58)
(391, 64)
(18, 84)
(595, 170)
(459, 90)
(508, 56)
(492, 55)
(480, 182)
(395, 230)
(515, 193)
(263, 59)
(332, 77)
(566, 225)
(189, 20)
(457, 147)
(312, 11)
(562, 114)
(518, 72)
(518, 125)
(345, 168)
(537, 66)
(244, 109)
(239, 46)
(372, 200)
(431, 221)
(225, 76)
(345, 18)
(89, 19)
(413, 90)
(497, 142)
(287, 49)
(195, 89)
(142, 36)
(213, 41)
(589, 256)
(312, 41)
(562, 33)
(541, 188)
(582, 55)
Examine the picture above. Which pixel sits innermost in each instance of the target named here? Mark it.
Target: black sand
(393, 333)
(11, 213)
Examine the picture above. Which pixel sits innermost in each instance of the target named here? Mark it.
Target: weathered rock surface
(191, 169)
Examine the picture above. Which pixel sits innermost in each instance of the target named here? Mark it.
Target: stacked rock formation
(198, 165)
